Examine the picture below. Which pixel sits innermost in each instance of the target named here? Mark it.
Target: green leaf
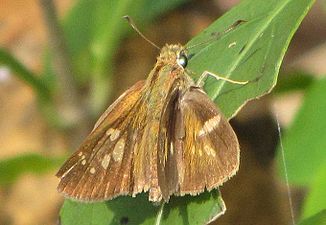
(253, 51)
(12, 168)
(304, 142)
(315, 200)
(317, 219)
(136, 211)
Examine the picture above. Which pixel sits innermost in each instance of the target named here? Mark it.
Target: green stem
(159, 214)
(68, 92)
(103, 57)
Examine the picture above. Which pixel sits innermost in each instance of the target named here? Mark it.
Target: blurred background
(43, 120)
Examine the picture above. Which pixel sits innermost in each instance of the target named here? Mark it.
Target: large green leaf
(305, 141)
(259, 47)
(135, 211)
(253, 51)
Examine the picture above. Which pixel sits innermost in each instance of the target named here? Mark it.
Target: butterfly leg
(205, 74)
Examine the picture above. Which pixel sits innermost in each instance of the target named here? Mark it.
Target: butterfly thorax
(170, 53)
(166, 78)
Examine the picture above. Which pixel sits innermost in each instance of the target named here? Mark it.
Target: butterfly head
(174, 54)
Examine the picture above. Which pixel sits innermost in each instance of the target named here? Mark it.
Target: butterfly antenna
(133, 25)
(286, 172)
(217, 35)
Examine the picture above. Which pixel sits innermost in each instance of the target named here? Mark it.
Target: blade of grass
(24, 74)
(39, 86)
(12, 168)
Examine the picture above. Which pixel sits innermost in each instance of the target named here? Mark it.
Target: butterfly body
(163, 136)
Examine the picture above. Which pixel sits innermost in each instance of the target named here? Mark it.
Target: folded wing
(206, 144)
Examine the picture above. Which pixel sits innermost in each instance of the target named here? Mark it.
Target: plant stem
(70, 103)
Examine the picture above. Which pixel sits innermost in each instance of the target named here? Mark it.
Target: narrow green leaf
(12, 168)
(40, 85)
(253, 51)
(317, 219)
(24, 74)
(305, 141)
(139, 211)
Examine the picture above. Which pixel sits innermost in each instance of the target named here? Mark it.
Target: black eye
(182, 60)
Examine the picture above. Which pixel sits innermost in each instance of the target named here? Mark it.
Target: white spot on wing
(106, 161)
(209, 151)
(80, 154)
(92, 170)
(115, 134)
(109, 131)
(83, 162)
(118, 150)
(209, 125)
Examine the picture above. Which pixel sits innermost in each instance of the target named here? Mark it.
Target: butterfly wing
(167, 161)
(205, 142)
(102, 166)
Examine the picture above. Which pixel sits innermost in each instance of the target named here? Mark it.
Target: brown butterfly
(164, 136)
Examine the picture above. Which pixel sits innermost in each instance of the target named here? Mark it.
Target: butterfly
(163, 136)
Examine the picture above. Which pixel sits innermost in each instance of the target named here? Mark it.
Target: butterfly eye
(182, 60)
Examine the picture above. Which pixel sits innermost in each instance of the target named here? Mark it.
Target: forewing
(102, 166)
(207, 143)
